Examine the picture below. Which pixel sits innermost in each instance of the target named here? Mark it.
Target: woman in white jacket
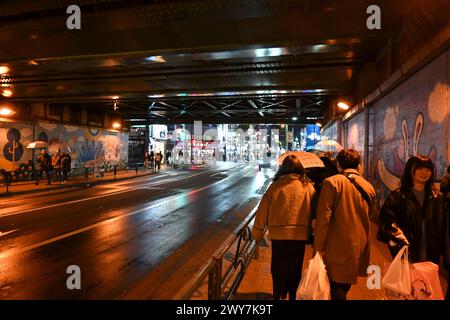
(286, 209)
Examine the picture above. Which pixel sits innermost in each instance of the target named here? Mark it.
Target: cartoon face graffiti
(13, 150)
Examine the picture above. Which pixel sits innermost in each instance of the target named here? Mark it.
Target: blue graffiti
(89, 151)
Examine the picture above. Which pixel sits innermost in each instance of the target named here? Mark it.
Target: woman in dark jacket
(414, 215)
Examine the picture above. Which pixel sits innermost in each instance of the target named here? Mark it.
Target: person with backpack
(341, 233)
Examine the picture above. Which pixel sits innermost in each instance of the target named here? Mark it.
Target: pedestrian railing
(9, 179)
(226, 268)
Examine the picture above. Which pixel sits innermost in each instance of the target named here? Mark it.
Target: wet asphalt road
(155, 230)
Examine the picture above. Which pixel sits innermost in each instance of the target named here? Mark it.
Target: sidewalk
(26, 187)
(257, 282)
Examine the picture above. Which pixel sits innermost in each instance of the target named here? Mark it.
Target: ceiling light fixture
(5, 111)
(268, 52)
(343, 105)
(4, 69)
(7, 93)
(159, 59)
(116, 125)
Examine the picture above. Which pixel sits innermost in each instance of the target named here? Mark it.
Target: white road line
(153, 188)
(100, 196)
(2, 234)
(69, 234)
(216, 174)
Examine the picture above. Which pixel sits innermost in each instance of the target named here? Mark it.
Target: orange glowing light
(5, 111)
(4, 69)
(7, 93)
(116, 125)
(343, 105)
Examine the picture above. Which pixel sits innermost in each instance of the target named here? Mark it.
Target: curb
(85, 184)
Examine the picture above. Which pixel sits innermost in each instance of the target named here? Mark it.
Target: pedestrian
(341, 233)
(318, 175)
(45, 164)
(286, 209)
(56, 165)
(151, 159)
(158, 159)
(168, 157)
(146, 160)
(414, 215)
(66, 162)
(445, 188)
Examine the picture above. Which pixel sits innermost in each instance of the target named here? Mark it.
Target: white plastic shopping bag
(425, 283)
(398, 276)
(314, 284)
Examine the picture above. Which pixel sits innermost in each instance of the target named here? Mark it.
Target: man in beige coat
(342, 224)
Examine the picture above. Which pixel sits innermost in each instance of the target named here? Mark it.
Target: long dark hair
(414, 163)
(292, 165)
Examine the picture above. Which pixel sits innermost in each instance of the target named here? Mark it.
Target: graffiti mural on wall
(13, 150)
(87, 146)
(331, 133)
(391, 179)
(412, 119)
(356, 133)
(14, 138)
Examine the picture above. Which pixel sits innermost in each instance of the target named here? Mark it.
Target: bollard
(136, 169)
(86, 173)
(115, 172)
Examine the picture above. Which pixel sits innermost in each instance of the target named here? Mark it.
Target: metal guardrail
(10, 178)
(222, 284)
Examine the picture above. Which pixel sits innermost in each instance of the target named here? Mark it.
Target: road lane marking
(2, 234)
(101, 196)
(110, 194)
(75, 232)
(154, 188)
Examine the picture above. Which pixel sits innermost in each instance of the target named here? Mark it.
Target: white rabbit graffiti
(391, 179)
